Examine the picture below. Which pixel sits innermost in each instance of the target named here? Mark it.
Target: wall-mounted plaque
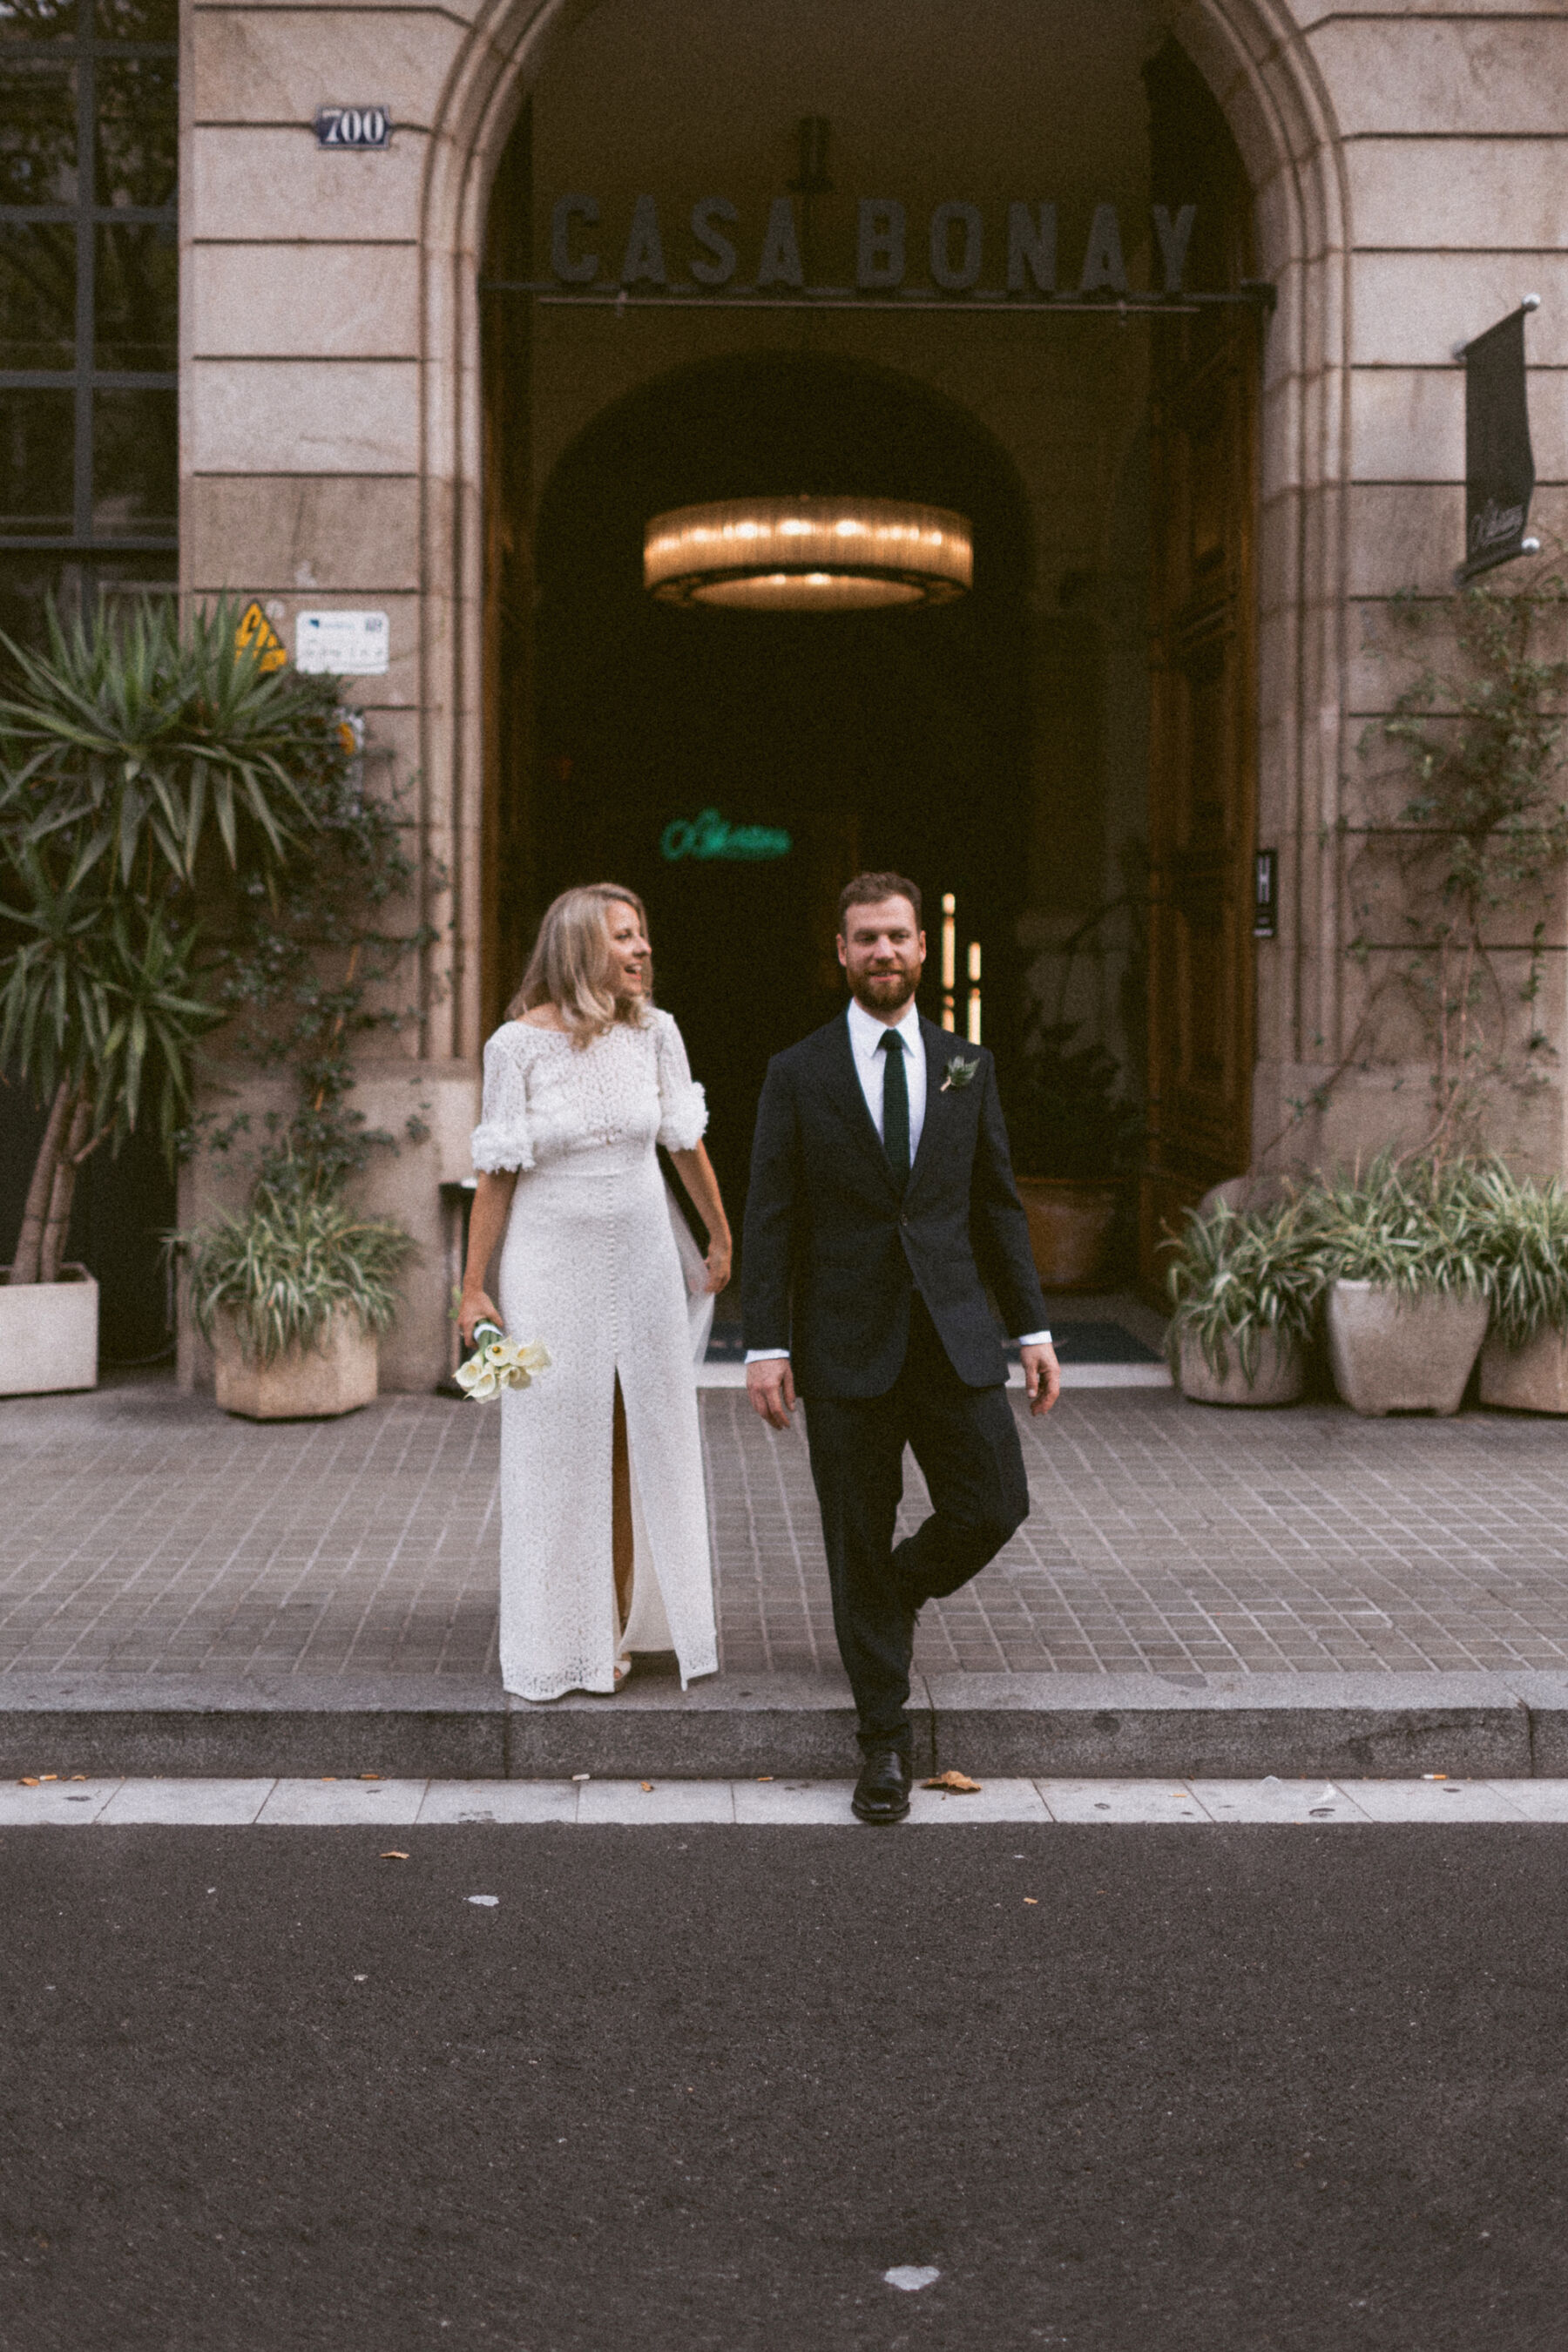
(354, 127)
(344, 644)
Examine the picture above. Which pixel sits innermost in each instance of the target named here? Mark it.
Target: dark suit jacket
(833, 1253)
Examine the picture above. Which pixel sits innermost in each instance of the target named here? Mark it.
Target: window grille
(88, 301)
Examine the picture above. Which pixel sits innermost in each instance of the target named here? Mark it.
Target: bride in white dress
(604, 1509)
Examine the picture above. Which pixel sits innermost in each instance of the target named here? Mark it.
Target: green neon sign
(708, 836)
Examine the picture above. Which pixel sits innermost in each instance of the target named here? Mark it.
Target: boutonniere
(959, 1073)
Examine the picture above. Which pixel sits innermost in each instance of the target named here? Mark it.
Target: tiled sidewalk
(143, 1533)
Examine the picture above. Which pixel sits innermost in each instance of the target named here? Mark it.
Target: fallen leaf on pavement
(959, 1782)
(394, 1854)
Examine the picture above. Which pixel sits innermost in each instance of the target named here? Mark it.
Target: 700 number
(352, 126)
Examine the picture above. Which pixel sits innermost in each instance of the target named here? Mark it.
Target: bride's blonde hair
(571, 968)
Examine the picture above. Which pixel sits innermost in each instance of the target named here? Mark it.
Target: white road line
(779, 1803)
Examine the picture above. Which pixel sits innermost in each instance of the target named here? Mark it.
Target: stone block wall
(1407, 164)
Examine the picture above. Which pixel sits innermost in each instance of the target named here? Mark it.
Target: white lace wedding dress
(592, 1265)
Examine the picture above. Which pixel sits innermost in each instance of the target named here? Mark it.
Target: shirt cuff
(1035, 1339)
(766, 1355)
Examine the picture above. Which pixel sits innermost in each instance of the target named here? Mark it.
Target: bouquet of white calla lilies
(499, 1364)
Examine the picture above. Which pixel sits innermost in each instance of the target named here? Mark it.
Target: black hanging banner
(1499, 469)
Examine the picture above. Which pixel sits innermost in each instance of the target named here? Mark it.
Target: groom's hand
(771, 1387)
(1042, 1377)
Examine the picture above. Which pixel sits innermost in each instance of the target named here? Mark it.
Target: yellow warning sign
(257, 635)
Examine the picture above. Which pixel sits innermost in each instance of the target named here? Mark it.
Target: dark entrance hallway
(887, 738)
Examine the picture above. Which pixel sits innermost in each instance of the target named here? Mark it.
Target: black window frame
(83, 48)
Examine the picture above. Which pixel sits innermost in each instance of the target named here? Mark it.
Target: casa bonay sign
(1015, 248)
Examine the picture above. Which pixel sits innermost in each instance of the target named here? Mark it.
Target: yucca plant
(1414, 1227)
(132, 754)
(1522, 1231)
(1238, 1276)
(133, 735)
(289, 1266)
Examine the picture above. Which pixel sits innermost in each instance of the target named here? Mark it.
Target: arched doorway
(1081, 804)
(892, 738)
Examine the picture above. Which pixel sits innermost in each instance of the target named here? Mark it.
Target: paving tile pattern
(143, 1532)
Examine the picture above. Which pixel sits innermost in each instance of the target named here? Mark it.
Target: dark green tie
(896, 1106)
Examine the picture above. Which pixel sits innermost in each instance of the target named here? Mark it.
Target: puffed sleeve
(682, 1102)
(502, 1139)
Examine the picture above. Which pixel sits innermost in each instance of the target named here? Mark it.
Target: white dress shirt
(865, 1035)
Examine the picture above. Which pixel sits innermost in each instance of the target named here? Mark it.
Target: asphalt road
(1230, 2089)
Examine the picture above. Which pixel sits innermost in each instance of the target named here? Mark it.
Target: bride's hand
(719, 1256)
(476, 1306)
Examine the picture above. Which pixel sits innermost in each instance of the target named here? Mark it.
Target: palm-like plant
(131, 753)
(128, 741)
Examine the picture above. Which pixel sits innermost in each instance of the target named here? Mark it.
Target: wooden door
(1203, 766)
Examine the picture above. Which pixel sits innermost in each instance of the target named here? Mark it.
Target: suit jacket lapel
(938, 1108)
(842, 1085)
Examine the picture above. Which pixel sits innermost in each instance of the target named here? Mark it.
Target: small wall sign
(344, 645)
(257, 635)
(708, 834)
(357, 127)
(1266, 894)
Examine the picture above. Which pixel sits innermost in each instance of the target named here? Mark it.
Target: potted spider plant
(292, 1295)
(1072, 1134)
(1524, 1235)
(1243, 1289)
(1402, 1252)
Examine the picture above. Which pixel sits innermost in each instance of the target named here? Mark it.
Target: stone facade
(1404, 166)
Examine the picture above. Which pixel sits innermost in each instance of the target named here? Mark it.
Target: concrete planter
(1069, 1229)
(1394, 1355)
(304, 1383)
(1531, 1379)
(48, 1334)
(1282, 1374)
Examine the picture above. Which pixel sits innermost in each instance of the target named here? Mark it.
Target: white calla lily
(501, 1363)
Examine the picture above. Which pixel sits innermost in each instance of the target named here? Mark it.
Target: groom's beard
(886, 992)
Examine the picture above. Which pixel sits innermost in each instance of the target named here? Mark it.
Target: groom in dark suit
(881, 1203)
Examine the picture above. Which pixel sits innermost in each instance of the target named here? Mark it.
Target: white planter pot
(1390, 1354)
(304, 1383)
(48, 1334)
(1280, 1377)
(1531, 1379)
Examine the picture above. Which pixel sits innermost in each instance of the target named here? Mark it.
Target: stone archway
(1256, 59)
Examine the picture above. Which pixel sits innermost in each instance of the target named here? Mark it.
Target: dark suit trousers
(966, 1443)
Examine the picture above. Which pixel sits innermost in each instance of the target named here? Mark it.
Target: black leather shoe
(882, 1791)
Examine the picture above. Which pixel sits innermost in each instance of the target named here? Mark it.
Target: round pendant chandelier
(808, 555)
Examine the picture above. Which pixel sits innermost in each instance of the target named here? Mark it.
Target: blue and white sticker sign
(354, 126)
(344, 645)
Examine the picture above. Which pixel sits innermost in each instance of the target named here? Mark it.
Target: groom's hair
(870, 890)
